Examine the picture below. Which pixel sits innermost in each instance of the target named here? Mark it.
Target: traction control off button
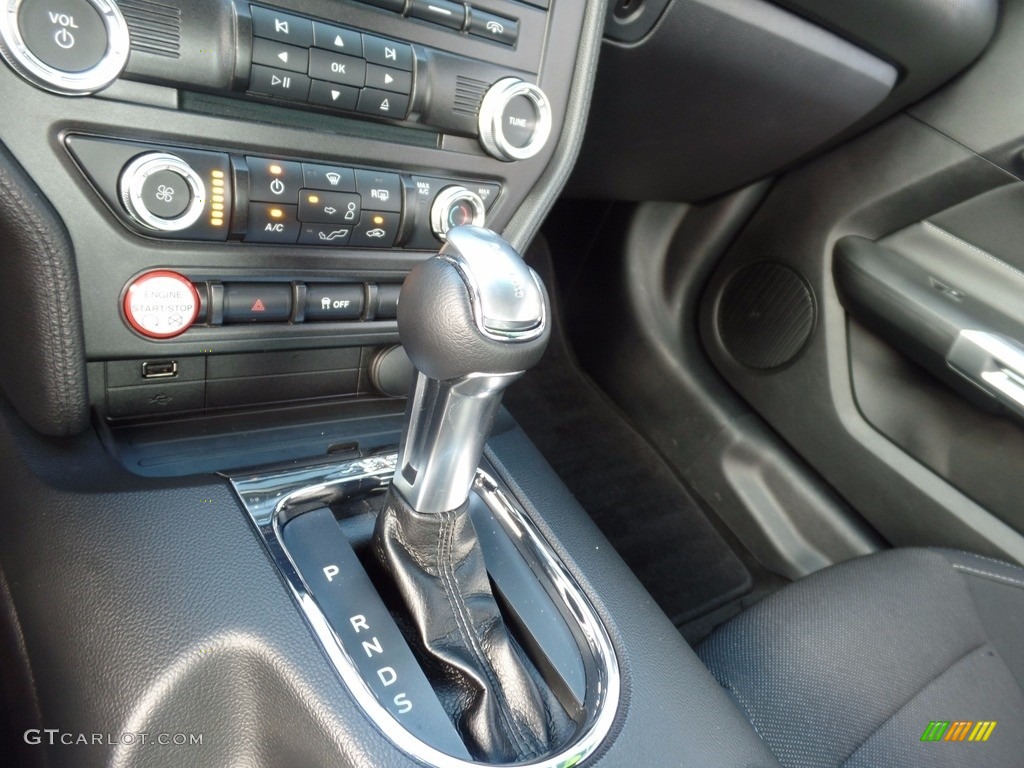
(161, 304)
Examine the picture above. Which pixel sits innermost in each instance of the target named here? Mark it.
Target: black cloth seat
(849, 666)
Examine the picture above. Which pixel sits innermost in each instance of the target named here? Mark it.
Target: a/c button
(269, 223)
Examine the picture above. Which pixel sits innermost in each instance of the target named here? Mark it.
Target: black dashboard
(244, 184)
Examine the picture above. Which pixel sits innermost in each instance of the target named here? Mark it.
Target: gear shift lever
(472, 320)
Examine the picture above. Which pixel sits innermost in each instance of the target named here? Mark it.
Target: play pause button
(280, 83)
(333, 95)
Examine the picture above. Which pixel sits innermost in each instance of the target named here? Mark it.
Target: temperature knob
(162, 192)
(515, 119)
(456, 207)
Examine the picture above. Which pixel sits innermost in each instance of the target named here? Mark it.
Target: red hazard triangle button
(257, 302)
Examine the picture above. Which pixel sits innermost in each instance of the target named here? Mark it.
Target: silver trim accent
(134, 177)
(993, 363)
(446, 426)
(41, 74)
(492, 112)
(442, 206)
(507, 296)
(267, 497)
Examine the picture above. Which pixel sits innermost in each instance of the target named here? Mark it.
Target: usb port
(160, 369)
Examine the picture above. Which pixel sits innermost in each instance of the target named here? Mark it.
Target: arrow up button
(337, 39)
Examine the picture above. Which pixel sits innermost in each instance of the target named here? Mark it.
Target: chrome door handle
(992, 362)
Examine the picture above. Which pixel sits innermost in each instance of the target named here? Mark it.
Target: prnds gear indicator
(161, 304)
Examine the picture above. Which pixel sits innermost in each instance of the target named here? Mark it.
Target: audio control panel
(190, 194)
(299, 60)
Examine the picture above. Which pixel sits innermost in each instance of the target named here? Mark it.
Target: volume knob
(70, 47)
(162, 192)
(515, 119)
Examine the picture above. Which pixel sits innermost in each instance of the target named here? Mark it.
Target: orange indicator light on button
(277, 170)
(314, 199)
(378, 220)
(276, 213)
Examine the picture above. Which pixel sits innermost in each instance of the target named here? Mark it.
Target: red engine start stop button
(161, 304)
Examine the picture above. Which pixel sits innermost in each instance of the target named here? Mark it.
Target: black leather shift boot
(504, 713)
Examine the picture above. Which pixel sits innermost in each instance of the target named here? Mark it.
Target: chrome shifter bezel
(269, 497)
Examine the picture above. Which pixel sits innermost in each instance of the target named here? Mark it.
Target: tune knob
(162, 192)
(515, 119)
(456, 206)
(71, 47)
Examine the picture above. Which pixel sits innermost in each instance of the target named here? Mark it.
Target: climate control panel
(190, 194)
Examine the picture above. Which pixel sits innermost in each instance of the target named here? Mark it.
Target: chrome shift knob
(472, 319)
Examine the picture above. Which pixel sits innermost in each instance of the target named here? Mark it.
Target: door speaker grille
(766, 315)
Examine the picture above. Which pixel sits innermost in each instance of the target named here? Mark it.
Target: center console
(251, 528)
(245, 184)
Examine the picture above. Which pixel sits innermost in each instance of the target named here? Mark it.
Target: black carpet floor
(632, 495)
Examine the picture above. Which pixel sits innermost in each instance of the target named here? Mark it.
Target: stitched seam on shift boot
(993, 576)
(528, 746)
(906, 703)
(446, 570)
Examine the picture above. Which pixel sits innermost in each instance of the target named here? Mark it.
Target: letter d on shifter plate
(349, 602)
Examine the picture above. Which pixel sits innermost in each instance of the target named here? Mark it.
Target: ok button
(347, 70)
